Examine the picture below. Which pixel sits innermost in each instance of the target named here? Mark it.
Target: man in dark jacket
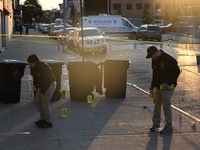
(165, 74)
(44, 84)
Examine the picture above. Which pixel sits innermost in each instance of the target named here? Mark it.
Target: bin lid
(81, 63)
(117, 61)
(50, 61)
(12, 62)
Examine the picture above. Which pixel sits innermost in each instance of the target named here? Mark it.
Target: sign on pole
(77, 6)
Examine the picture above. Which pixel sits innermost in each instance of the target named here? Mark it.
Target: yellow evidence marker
(89, 98)
(63, 112)
(151, 95)
(63, 93)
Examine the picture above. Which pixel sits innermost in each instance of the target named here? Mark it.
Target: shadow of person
(167, 139)
(153, 141)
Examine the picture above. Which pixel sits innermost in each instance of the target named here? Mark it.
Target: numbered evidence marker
(151, 95)
(64, 112)
(63, 93)
(126, 53)
(89, 98)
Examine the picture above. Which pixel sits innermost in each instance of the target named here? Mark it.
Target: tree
(146, 17)
(119, 12)
(31, 9)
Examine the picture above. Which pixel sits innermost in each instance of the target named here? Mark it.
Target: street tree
(31, 9)
(146, 19)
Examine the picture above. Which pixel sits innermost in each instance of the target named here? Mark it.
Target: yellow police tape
(127, 50)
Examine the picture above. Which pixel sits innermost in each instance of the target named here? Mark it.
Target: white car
(93, 40)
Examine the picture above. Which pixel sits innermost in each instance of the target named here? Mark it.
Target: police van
(111, 25)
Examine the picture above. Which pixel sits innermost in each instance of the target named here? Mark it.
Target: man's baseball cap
(150, 51)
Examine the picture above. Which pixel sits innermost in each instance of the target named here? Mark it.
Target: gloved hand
(166, 85)
(151, 88)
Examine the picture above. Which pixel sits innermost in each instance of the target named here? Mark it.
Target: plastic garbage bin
(11, 72)
(56, 66)
(83, 77)
(115, 78)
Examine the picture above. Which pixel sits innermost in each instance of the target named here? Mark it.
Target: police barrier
(10, 79)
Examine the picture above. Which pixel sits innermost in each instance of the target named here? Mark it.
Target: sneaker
(166, 130)
(39, 122)
(154, 128)
(45, 125)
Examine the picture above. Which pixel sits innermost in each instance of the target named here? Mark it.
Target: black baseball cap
(150, 51)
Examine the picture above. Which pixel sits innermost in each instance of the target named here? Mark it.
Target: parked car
(56, 30)
(149, 32)
(61, 33)
(44, 28)
(93, 40)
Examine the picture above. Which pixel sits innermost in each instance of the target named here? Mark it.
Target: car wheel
(132, 35)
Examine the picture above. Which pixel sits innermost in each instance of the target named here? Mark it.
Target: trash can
(11, 72)
(56, 66)
(83, 77)
(198, 59)
(115, 78)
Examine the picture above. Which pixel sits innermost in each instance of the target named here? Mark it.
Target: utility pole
(82, 47)
(64, 20)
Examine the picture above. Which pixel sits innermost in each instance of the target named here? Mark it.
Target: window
(116, 6)
(139, 6)
(147, 6)
(128, 6)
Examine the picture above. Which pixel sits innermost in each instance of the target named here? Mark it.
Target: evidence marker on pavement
(89, 98)
(63, 93)
(63, 112)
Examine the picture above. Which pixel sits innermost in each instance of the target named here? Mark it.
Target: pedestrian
(44, 84)
(27, 28)
(20, 29)
(164, 80)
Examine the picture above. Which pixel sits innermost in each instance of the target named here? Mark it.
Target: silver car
(149, 32)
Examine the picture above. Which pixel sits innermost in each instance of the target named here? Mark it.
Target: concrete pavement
(106, 124)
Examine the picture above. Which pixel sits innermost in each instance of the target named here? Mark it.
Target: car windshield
(155, 28)
(89, 33)
(58, 27)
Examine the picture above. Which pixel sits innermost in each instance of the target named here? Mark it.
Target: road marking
(174, 107)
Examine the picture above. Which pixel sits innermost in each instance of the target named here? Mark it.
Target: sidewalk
(106, 124)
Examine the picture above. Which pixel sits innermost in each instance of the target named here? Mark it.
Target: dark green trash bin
(115, 78)
(56, 66)
(83, 77)
(11, 72)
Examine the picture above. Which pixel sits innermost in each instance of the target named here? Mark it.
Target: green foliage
(31, 9)
(119, 12)
(146, 17)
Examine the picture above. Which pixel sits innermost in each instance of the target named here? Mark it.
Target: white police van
(111, 25)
